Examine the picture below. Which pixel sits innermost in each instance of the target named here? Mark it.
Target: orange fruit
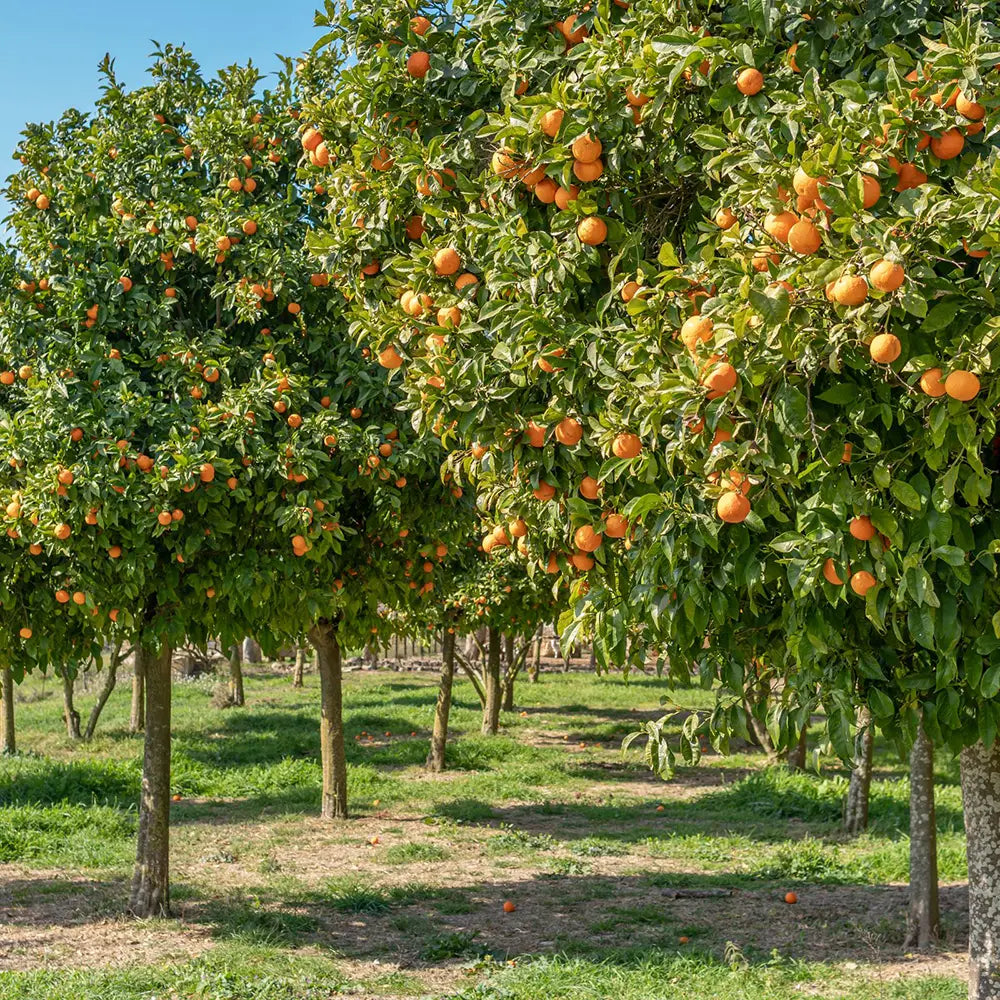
(552, 121)
(582, 561)
(615, 526)
(750, 81)
(791, 898)
(962, 385)
(830, 573)
(390, 358)
(592, 231)
(587, 172)
(419, 25)
(589, 488)
(885, 348)
(544, 491)
(24, 633)
(569, 431)
(804, 238)
(720, 379)
(566, 195)
(862, 582)
(779, 224)
(733, 508)
(872, 190)
(932, 383)
(586, 539)
(862, 528)
(63, 531)
(805, 185)
(418, 64)
(62, 596)
(949, 145)
(696, 330)
(725, 218)
(626, 445)
(586, 149)
(969, 109)
(535, 434)
(207, 472)
(545, 190)
(849, 290)
(508, 907)
(447, 261)
(886, 276)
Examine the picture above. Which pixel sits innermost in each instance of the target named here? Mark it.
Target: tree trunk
(981, 805)
(323, 636)
(856, 806)
(110, 680)
(70, 715)
(137, 719)
(251, 651)
(797, 755)
(491, 710)
(236, 696)
(150, 896)
(8, 744)
(298, 678)
(435, 760)
(923, 919)
(537, 668)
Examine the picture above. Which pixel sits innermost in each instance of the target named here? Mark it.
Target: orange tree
(726, 336)
(195, 447)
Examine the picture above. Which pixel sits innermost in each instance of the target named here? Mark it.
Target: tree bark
(298, 678)
(439, 737)
(981, 806)
(491, 710)
(537, 669)
(110, 680)
(137, 718)
(70, 715)
(859, 790)
(323, 636)
(797, 755)
(236, 695)
(923, 919)
(251, 651)
(8, 743)
(150, 896)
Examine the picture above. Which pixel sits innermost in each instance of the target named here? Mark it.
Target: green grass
(574, 835)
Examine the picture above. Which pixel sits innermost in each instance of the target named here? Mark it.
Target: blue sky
(49, 52)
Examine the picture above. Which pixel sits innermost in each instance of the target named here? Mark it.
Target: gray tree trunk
(923, 919)
(70, 715)
(491, 675)
(537, 669)
(859, 790)
(110, 680)
(439, 737)
(8, 743)
(251, 651)
(981, 805)
(298, 678)
(323, 635)
(236, 695)
(150, 895)
(137, 717)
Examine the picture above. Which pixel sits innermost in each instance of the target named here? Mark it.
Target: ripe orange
(449, 316)
(949, 145)
(696, 330)
(390, 358)
(566, 195)
(587, 172)
(582, 561)
(886, 276)
(164, 518)
(733, 508)
(969, 109)
(508, 907)
(79, 597)
(615, 526)
(586, 539)
(720, 379)
(418, 64)
(791, 898)
(589, 488)
(872, 190)
(586, 149)
(24, 633)
(447, 261)
(885, 348)
(63, 531)
(592, 231)
(552, 121)
(207, 472)
(569, 431)
(419, 25)
(830, 573)
(932, 383)
(750, 82)
(62, 596)
(535, 434)
(862, 528)
(779, 224)
(544, 491)
(804, 238)
(725, 218)
(545, 190)
(962, 385)
(862, 582)
(849, 290)
(626, 445)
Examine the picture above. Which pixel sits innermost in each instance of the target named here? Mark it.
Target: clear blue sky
(49, 52)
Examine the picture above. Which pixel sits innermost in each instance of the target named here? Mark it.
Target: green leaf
(850, 89)
(989, 686)
(709, 138)
(667, 256)
(905, 494)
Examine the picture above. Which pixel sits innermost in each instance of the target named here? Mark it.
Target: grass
(584, 840)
